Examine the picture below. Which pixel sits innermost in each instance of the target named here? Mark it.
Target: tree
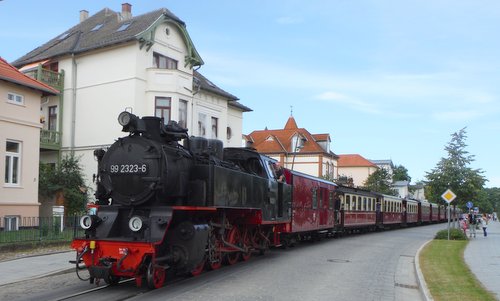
(380, 181)
(67, 178)
(400, 173)
(454, 173)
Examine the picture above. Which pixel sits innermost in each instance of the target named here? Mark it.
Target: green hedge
(455, 234)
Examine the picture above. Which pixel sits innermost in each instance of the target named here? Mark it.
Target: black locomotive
(177, 206)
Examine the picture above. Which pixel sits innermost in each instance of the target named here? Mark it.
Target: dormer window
(297, 143)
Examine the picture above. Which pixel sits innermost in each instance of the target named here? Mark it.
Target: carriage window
(330, 200)
(359, 203)
(314, 197)
(365, 204)
(321, 198)
(347, 202)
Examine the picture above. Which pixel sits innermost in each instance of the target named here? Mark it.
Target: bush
(455, 234)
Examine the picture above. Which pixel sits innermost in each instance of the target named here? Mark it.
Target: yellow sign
(448, 196)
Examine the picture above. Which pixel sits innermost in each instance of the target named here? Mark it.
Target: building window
(162, 108)
(202, 125)
(163, 62)
(12, 163)
(215, 127)
(11, 223)
(15, 98)
(53, 118)
(183, 113)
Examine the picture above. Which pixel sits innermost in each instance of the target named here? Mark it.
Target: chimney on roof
(84, 14)
(126, 11)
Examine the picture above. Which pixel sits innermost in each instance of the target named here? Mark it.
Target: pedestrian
(484, 224)
(472, 224)
(463, 225)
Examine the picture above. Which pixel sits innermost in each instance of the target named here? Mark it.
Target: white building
(113, 62)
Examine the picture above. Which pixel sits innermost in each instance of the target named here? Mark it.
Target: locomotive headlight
(135, 223)
(124, 118)
(89, 221)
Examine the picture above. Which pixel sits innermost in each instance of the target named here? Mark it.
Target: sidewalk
(482, 255)
(22, 269)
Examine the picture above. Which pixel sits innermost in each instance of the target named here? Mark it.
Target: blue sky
(386, 79)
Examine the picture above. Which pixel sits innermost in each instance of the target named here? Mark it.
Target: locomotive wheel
(247, 243)
(198, 269)
(233, 237)
(155, 276)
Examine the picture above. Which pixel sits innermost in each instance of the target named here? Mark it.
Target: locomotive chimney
(126, 11)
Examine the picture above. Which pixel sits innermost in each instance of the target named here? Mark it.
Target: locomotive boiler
(166, 206)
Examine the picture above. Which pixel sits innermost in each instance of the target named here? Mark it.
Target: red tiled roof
(321, 137)
(279, 141)
(354, 160)
(11, 74)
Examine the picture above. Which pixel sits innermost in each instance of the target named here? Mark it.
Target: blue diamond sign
(448, 196)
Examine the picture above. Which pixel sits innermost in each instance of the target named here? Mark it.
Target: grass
(446, 274)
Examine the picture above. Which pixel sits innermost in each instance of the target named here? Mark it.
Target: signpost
(448, 196)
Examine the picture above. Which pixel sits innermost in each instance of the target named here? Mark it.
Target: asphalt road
(374, 266)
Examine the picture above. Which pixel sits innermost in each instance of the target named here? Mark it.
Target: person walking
(484, 224)
(472, 224)
(463, 224)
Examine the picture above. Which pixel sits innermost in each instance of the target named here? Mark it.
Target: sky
(387, 79)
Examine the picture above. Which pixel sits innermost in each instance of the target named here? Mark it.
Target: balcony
(51, 78)
(50, 140)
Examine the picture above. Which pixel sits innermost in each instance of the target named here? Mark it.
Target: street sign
(448, 196)
(469, 204)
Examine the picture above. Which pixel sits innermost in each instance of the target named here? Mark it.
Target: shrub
(455, 234)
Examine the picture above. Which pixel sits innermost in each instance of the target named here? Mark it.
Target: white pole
(448, 221)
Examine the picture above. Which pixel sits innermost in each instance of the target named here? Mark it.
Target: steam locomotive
(162, 205)
(166, 206)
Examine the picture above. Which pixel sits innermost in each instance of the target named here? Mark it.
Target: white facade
(102, 83)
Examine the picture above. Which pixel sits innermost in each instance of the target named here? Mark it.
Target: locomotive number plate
(128, 169)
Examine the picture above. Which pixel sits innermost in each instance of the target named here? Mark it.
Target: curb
(420, 277)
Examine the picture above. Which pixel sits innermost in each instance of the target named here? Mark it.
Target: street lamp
(297, 148)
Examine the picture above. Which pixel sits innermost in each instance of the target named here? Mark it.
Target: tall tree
(400, 173)
(380, 181)
(453, 172)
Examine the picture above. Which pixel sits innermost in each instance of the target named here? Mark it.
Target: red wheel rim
(233, 237)
(198, 269)
(155, 276)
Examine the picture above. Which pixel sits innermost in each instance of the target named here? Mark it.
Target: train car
(410, 212)
(425, 212)
(358, 209)
(314, 207)
(392, 211)
(434, 213)
(166, 206)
